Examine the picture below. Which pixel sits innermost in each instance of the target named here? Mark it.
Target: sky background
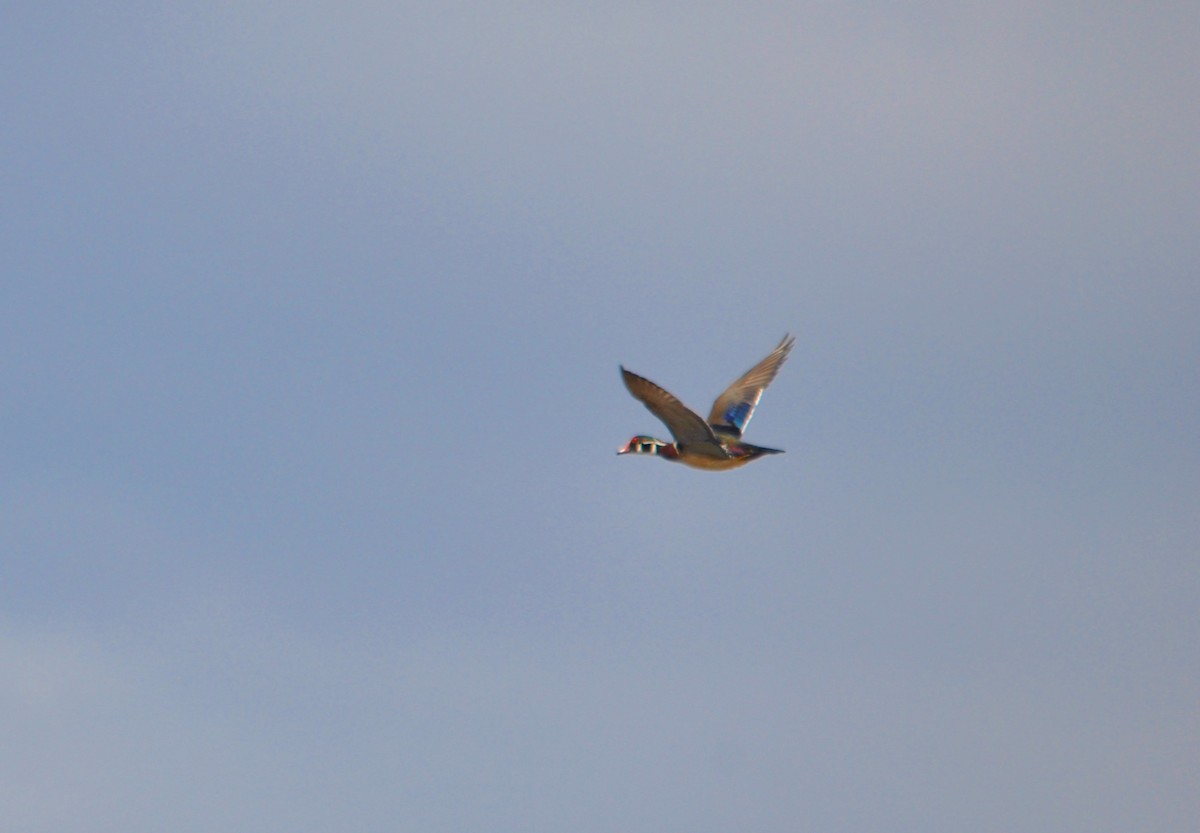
(310, 517)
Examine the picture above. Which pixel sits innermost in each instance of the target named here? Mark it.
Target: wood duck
(715, 444)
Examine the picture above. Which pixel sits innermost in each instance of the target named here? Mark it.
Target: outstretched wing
(733, 409)
(685, 425)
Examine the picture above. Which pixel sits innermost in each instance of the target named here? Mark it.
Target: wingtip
(786, 344)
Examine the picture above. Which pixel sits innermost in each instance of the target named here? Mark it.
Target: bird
(717, 444)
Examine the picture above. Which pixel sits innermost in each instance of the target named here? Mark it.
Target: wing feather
(734, 408)
(685, 425)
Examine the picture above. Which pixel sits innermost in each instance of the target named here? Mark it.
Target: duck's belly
(701, 461)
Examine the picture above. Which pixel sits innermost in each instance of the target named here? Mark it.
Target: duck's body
(736, 453)
(716, 444)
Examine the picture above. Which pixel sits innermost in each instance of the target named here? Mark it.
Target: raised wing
(685, 425)
(733, 409)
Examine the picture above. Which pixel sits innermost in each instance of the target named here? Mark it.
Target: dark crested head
(642, 444)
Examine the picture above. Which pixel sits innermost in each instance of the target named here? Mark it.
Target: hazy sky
(310, 517)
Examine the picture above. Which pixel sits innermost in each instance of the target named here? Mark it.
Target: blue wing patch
(736, 414)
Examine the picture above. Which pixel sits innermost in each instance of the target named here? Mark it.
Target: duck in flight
(715, 444)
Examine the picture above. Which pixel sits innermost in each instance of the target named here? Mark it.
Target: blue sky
(311, 323)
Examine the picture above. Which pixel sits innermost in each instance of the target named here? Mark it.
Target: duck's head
(642, 444)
